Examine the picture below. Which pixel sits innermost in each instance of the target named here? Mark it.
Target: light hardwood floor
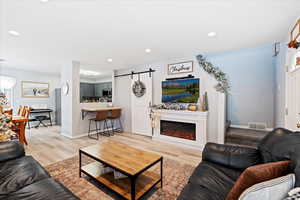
(47, 146)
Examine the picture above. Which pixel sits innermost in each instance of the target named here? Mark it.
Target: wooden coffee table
(132, 162)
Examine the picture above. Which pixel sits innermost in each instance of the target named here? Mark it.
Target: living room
(149, 100)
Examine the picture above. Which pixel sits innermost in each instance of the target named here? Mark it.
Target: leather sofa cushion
(10, 150)
(209, 181)
(47, 189)
(257, 174)
(282, 144)
(278, 145)
(235, 157)
(18, 173)
(197, 192)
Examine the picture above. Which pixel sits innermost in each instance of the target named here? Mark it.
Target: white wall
(251, 73)
(207, 83)
(122, 98)
(21, 75)
(1, 32)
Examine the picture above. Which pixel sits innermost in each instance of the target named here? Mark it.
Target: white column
(221, 118)
(113, 86)
(70, 103)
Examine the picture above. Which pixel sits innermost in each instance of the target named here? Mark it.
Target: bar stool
(116, 115)
(100, 116)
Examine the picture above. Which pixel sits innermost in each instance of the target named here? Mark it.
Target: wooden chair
(21, 110)
(26, 112)
(101, 116)
(19, 127)
(116, 115)
(9, 112)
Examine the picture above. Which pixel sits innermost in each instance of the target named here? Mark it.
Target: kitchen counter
(88, 109)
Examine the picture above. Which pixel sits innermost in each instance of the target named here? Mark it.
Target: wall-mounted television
(180, 91)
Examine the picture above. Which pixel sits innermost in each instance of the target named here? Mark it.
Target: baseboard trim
(77, 136)
(74, 137)
(81, 135)
(246, 127)
(66, 135)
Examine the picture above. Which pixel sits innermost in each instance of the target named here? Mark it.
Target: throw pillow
(275, 189)
(257, 174)
(294, 194)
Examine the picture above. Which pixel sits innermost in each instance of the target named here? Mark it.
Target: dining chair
(19, 127)
(9, 112)
(21, 110)
(26, 112)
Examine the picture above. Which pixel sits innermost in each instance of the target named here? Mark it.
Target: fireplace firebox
(178, 129)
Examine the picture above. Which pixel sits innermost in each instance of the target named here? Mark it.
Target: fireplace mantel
(196, 117)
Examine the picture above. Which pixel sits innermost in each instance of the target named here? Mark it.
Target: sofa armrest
(295, 166)
(11, 150)
(235, 157)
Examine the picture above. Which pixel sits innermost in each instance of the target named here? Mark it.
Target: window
(6, 97)
(6, 90)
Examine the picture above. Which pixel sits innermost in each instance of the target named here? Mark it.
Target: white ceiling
(103, 73)
(90, 31)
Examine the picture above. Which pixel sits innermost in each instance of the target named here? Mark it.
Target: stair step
(244, 137)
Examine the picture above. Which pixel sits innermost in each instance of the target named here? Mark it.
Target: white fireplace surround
(197, 117)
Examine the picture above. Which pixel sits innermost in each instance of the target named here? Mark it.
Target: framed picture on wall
(179, 68)
(35, 89)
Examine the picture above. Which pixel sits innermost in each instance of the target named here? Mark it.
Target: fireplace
(181, 127)
(178, 129)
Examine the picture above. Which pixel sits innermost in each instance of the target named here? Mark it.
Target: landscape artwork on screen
(180, 91)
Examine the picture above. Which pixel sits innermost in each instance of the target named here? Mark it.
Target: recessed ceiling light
(14, 33)
(109, 60)
(211, 34)
(147, 50)
(44, 0)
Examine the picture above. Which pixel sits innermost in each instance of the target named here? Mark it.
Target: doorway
(140, 117)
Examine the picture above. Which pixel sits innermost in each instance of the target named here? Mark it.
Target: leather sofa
(221, 165)
(22, 177)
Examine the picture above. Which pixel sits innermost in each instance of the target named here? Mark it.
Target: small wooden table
(132, 162)
(21, 121)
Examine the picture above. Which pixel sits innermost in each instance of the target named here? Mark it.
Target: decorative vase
(192, 107)
(298, 61)
(204, 106)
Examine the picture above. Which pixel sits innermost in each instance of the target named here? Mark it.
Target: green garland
(223, 85)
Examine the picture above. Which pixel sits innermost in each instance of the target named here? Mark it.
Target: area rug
(176, 175)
